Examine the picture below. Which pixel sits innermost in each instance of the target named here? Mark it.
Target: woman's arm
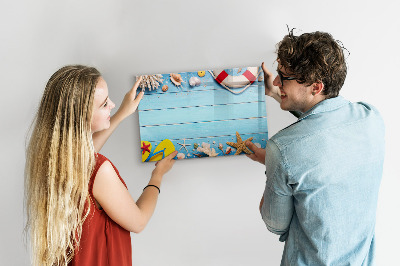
(116, 201)
(128, 107)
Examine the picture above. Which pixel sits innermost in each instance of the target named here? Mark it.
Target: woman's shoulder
(104, 167)
(100, 158)
(99, 161)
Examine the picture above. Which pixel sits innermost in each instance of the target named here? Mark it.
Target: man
(323, 171)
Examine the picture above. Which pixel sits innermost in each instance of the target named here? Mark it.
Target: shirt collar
(325, 106)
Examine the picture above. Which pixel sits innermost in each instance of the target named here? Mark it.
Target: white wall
(208, 208)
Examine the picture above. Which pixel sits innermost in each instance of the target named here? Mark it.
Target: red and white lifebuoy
(227, 81)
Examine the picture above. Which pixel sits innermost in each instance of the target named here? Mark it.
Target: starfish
(184, 145)
(240, 145)
(145, 148)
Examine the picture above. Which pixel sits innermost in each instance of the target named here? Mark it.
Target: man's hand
(258, 155)
(270, 89)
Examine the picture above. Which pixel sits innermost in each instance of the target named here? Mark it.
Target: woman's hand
(270, 89)
(258, 155)
(128, 106)
(163, 166)
(131, 101)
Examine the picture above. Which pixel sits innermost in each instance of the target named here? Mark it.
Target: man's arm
(276, 211)
(270, 89)
(274, 91)
(276, 206)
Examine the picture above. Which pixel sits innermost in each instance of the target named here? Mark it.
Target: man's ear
(317, 88)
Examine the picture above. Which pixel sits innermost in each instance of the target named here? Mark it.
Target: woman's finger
(136, 85)
(139, 97)
(172, 155)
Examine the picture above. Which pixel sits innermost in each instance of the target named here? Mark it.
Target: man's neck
(316, 100)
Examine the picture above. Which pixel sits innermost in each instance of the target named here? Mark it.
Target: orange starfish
(240, 145)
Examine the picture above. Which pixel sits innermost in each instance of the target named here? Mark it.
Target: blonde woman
(79, 211)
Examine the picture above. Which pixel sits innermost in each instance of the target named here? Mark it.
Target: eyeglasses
(282, 78)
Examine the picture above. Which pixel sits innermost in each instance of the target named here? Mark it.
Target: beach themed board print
(205, 113)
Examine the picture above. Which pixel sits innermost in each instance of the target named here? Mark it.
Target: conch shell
(176, 79)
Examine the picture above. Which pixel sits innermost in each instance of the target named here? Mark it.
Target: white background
(208, 208)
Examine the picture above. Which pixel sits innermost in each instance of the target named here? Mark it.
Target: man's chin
(285, 108)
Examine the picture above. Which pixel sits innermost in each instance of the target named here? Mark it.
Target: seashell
(260, 78)
(201, 73)
(176, 79)
(194, 81)
(180, 156)
(165, 88)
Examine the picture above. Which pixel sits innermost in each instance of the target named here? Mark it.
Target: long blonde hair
(59, 161)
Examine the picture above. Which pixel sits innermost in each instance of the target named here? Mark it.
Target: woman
(78, 207)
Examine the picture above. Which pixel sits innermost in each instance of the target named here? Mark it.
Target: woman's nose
(112, 105)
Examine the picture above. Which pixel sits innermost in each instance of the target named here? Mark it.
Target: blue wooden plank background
(189, 98)
(203, 114)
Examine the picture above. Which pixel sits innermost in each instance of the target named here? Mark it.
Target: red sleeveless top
(103, 241)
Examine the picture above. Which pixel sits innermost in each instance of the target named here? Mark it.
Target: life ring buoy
(228, 81)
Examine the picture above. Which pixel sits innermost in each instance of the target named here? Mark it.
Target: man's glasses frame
(282, 78)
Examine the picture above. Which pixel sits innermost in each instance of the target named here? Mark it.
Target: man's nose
(277, 81)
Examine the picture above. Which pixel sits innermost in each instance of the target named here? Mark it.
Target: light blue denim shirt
(323, 176)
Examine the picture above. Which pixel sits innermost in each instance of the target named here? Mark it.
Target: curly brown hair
(314, 57)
